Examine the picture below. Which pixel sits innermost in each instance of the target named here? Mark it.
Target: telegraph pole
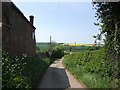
(75, 45)
(50, 52)
(50, 46)
(50, 40)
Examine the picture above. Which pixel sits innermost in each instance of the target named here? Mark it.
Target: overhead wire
(57, 12)
(58, 8)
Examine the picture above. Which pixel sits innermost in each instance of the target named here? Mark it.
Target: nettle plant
(12, 71)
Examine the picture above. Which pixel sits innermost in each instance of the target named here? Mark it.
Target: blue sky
(66, 22)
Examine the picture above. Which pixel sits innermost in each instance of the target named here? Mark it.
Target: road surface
(57, 77)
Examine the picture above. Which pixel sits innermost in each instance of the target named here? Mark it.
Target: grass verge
(93, 69)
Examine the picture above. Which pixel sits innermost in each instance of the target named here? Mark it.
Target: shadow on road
(55, 78)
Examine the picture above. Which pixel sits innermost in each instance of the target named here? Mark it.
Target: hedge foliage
(22, 72)
(93, 69)
(58, 52)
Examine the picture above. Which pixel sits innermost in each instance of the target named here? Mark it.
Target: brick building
(18, 34)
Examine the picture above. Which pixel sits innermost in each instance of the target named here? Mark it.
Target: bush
(22, 72)
(42, 53)
(92, 68)
(58, 52)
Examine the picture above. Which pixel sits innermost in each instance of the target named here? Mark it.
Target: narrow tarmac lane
(57, 77)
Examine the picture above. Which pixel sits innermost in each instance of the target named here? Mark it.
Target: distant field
(67, 47)
(43, 45)
(78, 44)
(75, 48)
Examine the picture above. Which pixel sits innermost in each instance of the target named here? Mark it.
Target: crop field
(76, 47)
(67, 47)
(43, 46)
(78, 44)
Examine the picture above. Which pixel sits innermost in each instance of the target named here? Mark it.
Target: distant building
(18, 34)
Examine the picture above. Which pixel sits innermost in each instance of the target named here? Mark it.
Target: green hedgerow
(93, 69)
(22, 72)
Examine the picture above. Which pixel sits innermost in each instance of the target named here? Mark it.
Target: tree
(98, 37)
(108, 14)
